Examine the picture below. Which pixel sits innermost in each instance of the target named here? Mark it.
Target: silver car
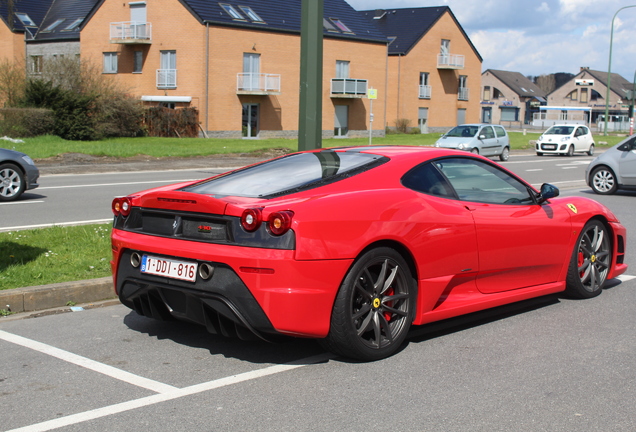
(614, 169)
(17, 174)
(483, 139)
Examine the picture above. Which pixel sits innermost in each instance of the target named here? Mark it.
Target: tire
(570, 152)
(505, 154)
(590, 263)
(603, 181)
(11, 182)
(374, 307)
(539, 154)
(590, 152)
(475, 150)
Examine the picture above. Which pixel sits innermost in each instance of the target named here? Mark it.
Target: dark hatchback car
(17, 174)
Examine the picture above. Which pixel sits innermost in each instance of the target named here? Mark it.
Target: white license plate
(169, 268)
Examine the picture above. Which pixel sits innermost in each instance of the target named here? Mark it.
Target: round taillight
(251, 219)
(121, 206)
(280, 222)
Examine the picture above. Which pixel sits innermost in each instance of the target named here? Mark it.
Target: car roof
(399, 151)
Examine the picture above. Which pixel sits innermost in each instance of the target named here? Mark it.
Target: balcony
(131, 32)
(425, 92)
(166, 78)
(450, 61)
(257, 84)
(462, 94)
(348, 88)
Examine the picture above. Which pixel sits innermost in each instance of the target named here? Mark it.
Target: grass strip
(50, 255)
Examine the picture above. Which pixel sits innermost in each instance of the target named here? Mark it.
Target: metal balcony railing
(348, 87)
(258, 82)
(131, 32)
(425, 92)
(166, 78)
(450, 61)
(462, 94)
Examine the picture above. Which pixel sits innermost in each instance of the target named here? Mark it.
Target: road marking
(625, 278)
(544, 160)
(202, 169)
(86, 222)
(21, 202)
(88, 363)
(534, 169)
(569, 167)
(172, 393)
(116, 184)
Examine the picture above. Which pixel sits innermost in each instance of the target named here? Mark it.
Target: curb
(41, 297)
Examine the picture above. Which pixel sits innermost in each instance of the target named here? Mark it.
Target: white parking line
(625, 278)
(116, 184)
(165, 392)
(87, 363)
(21, 202)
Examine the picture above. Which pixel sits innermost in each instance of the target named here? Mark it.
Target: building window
(25, 19)
(231, 11)
(138, 61)
(445, 47)
(486, 93)
(52, 26)
(167, 75)
(328, 26)
(595, 95)
(110, 62)
(509, 114)
(425, 88)
(74, 25)
(342, 69)
(462, 93)
(584, 95)
(572, 95)
(251, 14)
(341, 26)
(36, 64)
(496, 93)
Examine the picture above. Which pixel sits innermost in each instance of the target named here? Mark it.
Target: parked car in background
(17, 174)
(353, 245)
(483, 139)
(566, 140)
(614, 169)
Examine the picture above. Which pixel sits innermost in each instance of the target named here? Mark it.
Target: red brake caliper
(387, 315)
(580, 260)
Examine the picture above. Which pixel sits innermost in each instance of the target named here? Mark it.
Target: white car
(566, 140)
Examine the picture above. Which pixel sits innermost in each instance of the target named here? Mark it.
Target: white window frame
(110, 63)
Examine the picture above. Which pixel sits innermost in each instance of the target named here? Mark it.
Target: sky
(536, 37)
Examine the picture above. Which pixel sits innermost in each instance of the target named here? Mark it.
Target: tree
(547, 83)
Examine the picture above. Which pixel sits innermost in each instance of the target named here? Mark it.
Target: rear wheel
(11, 182)
(374, 307)
(505, 154)
(590, 261)
(603, 181)
(590, 151)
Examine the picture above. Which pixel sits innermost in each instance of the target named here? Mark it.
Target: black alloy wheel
(591, 261)
(374, 307)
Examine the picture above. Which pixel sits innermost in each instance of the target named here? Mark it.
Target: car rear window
(288, 174)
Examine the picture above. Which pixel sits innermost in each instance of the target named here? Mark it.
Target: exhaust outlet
(135, 259)
(206, 271)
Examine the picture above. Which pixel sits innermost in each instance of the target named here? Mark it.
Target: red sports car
(353, 245)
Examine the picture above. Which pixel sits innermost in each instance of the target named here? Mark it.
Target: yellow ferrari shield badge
(573, 208)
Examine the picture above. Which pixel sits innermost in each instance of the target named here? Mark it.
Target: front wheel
(11, 182)
(571, 150)
(603, 181)
(374, 307)
(475, 150)
(539, 154)
(590, 261)
(505, 154)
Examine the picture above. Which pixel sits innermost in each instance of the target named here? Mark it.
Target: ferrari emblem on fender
(573, 208)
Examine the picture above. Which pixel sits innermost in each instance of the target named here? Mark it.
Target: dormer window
(232, 12)
(74, 25)
(328, 26)
(25, 19)
(52, 26)
(340, 25)
(251, 14)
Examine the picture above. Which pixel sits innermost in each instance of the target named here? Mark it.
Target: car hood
(452, 142)
(554, 137)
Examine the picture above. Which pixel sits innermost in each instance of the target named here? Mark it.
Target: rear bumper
(252, 290)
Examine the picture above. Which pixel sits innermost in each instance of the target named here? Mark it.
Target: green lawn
(50, 146)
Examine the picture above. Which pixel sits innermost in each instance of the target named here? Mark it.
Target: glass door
(250, 120)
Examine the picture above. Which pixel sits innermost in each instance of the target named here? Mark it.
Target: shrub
(26, 122)
(166, 122)
(402, 125)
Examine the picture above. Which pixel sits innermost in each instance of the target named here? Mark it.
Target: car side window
(487, 132)
(427, 179)
(501, 132)
(478, 181)
(579, 132)
(629, 145)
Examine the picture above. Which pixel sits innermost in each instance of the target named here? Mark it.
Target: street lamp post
(609, 67)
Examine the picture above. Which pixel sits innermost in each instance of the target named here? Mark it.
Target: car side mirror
(481, 137)
(547, 191)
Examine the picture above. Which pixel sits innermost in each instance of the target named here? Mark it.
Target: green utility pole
(310, 110)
